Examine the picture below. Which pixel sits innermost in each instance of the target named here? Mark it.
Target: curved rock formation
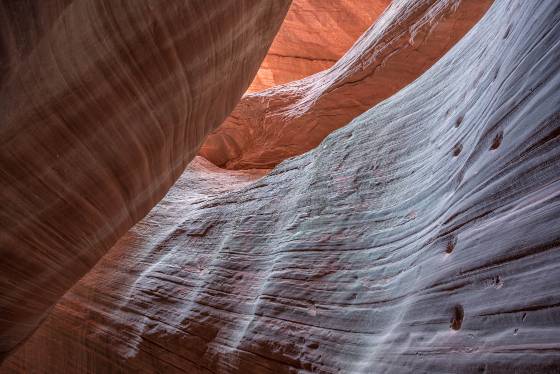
(422, 237)
(284, 121)
(103, 104)
(314, 35)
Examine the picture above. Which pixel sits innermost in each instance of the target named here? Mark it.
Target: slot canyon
(279, 186)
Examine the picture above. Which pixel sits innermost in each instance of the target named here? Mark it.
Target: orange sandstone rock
(270, 126)
(314, 35)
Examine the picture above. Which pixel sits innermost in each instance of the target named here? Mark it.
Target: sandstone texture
(270, 126)
(103, 105)
(422, 237)
(313, 36)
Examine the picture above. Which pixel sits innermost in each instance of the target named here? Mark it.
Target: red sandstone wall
(314, 35)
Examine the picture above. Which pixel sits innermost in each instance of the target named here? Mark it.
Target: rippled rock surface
(422, 237)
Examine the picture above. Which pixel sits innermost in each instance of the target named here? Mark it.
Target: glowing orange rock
(270, 126)
(314, 35)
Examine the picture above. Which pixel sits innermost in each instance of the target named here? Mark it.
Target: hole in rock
(497, 141)
(313, 37)
(458, 121)
(457, 317)
(498, 283)
(459, 178)
(457, 149)
(451, 243)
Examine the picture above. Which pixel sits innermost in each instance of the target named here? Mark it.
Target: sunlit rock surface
(314, 35)
(284, 121)
(423, 237)
(102, 106)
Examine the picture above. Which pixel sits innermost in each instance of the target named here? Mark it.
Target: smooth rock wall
(102, 106)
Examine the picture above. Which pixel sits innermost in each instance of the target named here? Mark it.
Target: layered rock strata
(314, 35)
(421, 237)
(103, 104)
(270, 126)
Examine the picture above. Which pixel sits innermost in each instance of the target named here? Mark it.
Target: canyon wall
(421, 237)
(313, 36)
(270, 126)
(104, 103)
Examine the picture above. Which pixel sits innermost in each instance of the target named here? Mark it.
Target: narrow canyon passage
(284, 121)
(398, 212)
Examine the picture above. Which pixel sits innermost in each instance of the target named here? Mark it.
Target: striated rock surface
(314, 35)
(284, 121)
(103, 104)
(422, 237)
